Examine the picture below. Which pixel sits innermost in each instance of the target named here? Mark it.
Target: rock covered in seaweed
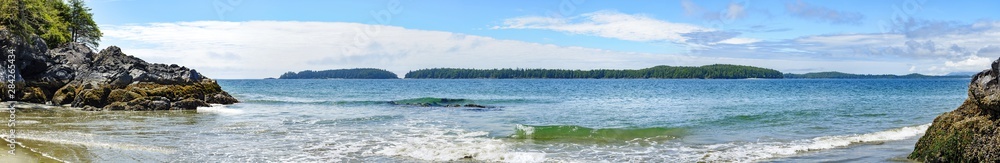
(74, 75)
(438, 102)
(970, 133)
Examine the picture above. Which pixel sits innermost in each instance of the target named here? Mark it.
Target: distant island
(356, 73)
(715, 71)
(841, 75)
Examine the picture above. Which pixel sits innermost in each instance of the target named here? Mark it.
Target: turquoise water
(544, 120)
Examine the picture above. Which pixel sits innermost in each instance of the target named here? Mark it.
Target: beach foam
(765, 150)
(440, 144)
(670, 151)
(219, 109)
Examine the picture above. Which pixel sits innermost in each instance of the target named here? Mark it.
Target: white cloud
(259, 49)
(609, 24)
(739, 41)
(932, 48)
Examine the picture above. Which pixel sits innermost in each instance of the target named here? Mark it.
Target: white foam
(723, 152)
(90, 142)
(437, 144)
(528, 130)
(765, 150)
(219, 109)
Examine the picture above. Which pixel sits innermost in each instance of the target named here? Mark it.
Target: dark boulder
(107, 80)
(190, 103)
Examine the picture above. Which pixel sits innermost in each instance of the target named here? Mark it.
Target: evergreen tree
(82, 27)
(21, 17)
(53, 20)
(717, 71)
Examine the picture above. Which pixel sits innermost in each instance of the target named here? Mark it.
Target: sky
(245, 39)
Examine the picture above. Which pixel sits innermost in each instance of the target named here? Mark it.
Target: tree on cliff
(20, 17)
(54, 21)
(82, 27)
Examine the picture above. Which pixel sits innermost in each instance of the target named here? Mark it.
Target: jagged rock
(970, 133)
(107, 80)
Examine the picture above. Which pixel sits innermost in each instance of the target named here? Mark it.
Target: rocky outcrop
(74, 75)
(970, 133)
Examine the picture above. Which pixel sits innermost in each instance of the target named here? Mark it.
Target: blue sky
(258, 38)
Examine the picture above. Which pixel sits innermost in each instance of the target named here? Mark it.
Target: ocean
(528, 120)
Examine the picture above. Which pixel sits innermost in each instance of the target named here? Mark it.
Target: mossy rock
(122, 95)
(963, 135)
(64, 95)
(91, 97)
(34, 95)
(177, 92)
(189, 104)
(149, 103)
(221, 98)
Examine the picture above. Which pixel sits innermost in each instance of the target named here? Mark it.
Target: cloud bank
(258, 49)
(630, 27)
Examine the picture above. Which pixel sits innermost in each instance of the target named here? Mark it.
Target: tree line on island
(357, 73)
(715, 71)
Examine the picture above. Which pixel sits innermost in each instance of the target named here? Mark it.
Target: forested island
(841, 75)
(356, 73)
(715, 71)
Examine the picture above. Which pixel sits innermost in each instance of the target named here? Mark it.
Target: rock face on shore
(108, 80)
(970, 133)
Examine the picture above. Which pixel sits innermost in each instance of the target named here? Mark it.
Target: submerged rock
(107, 80)
(970, 133)
(438, 102)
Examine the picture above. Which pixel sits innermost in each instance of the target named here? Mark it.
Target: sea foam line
(443, 144)
(32, 149)
(219, 109)
(767, 150)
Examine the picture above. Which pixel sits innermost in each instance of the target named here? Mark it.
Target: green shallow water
(535, 120)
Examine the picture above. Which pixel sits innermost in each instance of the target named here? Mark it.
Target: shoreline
(23, 154)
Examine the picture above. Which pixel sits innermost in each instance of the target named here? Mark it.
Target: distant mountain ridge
(841, 75)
